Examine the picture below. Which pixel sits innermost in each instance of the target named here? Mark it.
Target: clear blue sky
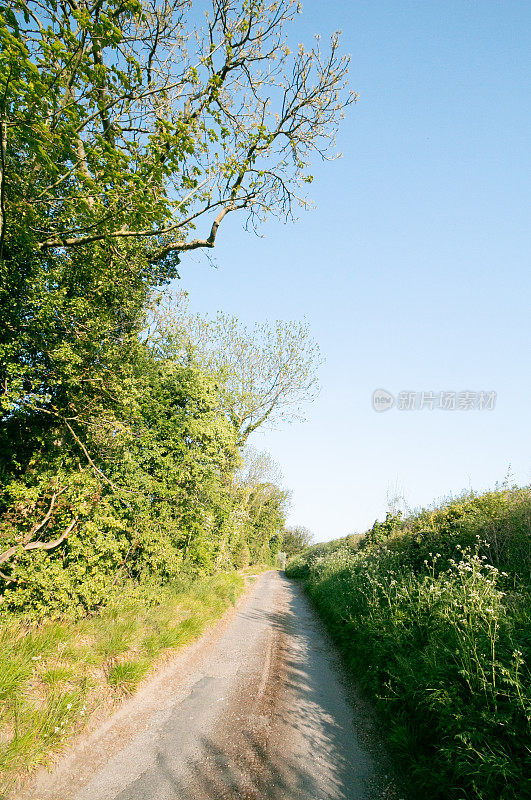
(413, 271)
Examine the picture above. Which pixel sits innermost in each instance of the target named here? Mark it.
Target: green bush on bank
(433, 616)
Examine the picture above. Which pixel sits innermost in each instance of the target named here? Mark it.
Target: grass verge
(54, 674)
(433, 617)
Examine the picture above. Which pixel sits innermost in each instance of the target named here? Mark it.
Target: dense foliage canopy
(124, 126)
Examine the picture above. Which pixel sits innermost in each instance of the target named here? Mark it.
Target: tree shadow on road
(252, 774)
(250, 763)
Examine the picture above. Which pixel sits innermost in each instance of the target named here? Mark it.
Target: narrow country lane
(258, 710)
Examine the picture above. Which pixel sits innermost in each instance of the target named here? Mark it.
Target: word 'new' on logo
(382, 400)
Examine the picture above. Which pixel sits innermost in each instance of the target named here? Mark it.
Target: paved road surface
(259, 710)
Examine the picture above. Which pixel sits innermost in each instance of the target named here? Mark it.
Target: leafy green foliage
(129, 483)
(119, 122)
(296, 539)
(112, 151)
(118, 456)
(140, 488)
(432, 614)
(264, 373)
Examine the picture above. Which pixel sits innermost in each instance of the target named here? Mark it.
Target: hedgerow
(433, 616)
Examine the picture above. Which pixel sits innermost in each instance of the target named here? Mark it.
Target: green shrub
(440, 639)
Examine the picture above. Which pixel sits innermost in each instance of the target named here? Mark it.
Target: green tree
(127, 496)
(295, 539)
(124, 129)
(127, 135)
(124, 120)
(265, 373)
(266, 518)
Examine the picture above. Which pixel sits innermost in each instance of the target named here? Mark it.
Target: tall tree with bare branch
(124, 120)
(130, 129)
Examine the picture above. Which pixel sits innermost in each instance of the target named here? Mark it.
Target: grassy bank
(55, 674)
(433, 616)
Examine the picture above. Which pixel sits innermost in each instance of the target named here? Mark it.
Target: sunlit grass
(52, 674)
(126, 675)
(435, 622)
(114, 636)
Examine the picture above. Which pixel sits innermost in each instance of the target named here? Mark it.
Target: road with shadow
(265, 713)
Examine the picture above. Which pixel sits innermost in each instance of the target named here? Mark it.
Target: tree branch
(195, 244)
(56, 542)
(35, 529)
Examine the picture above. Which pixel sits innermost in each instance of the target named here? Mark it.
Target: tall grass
(440, 638)
(52, 675)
